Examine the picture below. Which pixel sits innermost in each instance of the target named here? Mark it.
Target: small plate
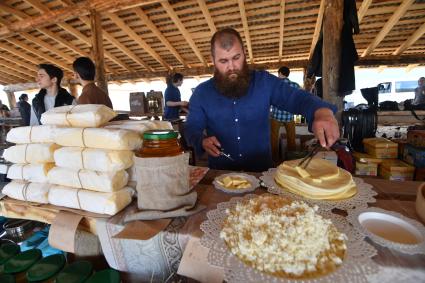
(390, 229)
(255, 183)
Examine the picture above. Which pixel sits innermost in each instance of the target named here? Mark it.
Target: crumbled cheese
(276, 235)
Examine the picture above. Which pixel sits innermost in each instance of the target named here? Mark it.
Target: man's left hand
(325, 127)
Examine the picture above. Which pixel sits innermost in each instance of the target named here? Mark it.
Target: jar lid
(8, 251)
(160, 135)
(7, 278)
(76, 272)
(105, 276)
(22, 261)
(46, 268)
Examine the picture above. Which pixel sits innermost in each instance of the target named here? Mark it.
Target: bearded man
(231, 111)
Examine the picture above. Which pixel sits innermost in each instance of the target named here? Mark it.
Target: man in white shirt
(51, 94)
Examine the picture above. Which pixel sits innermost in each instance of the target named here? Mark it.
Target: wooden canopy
(148, 39)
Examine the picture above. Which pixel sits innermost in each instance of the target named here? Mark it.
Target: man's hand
(325, 127)
(211, 145)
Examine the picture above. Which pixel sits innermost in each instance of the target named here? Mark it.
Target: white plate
(390, 229)
(255, 183)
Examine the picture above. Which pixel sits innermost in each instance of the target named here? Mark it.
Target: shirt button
(240, 155)
(234, 102)
(236, 120)
(239, 138)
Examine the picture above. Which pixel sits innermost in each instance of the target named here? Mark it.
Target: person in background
(230, 113)
(51, 94)
(24, 109)
(3, 107)
(420, 92)
(84, 72)
(173, 103)
(280, 117)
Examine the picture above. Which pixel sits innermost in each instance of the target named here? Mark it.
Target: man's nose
(230, 66)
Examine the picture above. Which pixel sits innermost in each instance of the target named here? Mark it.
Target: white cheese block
(89, 180)
(32, 134)
(30, 172)
(105, 203)
(114, 139)
(139, 126)
(102, 160)
(84, 115)
(34, 192)
(30, 153)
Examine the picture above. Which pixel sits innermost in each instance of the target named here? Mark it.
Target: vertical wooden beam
(11, 98)
(332, 27)
(97, 48)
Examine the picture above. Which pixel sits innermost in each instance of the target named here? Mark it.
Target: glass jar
(160, 143)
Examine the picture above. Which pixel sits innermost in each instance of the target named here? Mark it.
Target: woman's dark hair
(53, 72)
(23, 96)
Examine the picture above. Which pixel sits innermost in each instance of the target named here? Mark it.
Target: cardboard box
(138, 102)
(401, 144)
(396, 170)
(414, 156)
(416, 138)
(366, 169)
(381, 148)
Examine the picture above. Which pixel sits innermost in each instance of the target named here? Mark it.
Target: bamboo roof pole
(246, 30)
(317, 28)
(332, 28)
(363, 9)
(207, 16)
(281, 27)
(97, 49)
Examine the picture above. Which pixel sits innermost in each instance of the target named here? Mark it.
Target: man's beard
(235, 88)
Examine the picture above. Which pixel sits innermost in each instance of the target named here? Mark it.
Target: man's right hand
(211, 145)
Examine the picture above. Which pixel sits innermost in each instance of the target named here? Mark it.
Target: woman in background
(24, 109)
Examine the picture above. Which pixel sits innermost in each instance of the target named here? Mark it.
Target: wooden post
(332, 27)
(308, 83)
(97, 48)
(11, 98)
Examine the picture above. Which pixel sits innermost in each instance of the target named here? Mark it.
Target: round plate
(390, 229)
(255, 183)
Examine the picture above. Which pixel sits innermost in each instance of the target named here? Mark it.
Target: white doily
(353, 218)
(355, 268)
(255, 183)
(364, 195)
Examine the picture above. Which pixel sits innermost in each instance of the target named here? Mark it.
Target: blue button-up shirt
(241, 125)
(282, 115)
(172, 93)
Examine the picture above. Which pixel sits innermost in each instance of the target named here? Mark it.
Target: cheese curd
(283, 238)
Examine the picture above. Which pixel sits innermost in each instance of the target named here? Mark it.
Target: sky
(119, 93)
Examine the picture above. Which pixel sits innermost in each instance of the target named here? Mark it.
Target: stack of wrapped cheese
(90, 162)
(321, 179)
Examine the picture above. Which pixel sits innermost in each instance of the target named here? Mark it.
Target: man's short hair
(53, 72)
(177, 77)
(225, 38)
(85, 68)
(284, 71)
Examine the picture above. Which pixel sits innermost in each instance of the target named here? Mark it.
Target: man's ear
(54, 80)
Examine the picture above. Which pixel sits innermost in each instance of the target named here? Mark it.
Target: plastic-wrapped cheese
(105, 203)
(34, 192)
(139, 126)
(30, 153)
(84, 115)
(32, 134)
(30, 172)
(114, 139)
(89, 180)
(103, 160)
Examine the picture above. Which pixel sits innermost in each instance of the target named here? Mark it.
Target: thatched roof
(147, 39)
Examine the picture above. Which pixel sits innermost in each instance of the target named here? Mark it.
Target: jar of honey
(160, 143)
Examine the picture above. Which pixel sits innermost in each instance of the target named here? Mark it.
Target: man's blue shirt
(172, 93)
(282, 115)
(241, 125)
